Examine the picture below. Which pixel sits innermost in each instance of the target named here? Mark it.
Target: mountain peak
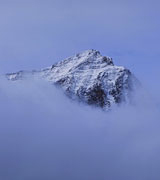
(88, 77)
(93, 55)
(90, 52)
(89, 59)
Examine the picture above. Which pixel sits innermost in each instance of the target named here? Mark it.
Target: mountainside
(88, 77)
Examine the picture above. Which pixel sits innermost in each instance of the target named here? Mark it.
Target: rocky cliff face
(88, 77)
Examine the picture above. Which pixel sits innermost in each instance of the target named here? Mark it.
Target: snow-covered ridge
(88, 77)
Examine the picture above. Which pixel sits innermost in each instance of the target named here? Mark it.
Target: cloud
(44, 135)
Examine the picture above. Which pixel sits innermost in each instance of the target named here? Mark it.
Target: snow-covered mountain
(88, 77)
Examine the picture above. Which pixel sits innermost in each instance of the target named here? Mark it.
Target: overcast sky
(36, 33)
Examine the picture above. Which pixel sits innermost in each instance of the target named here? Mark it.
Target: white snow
(84, 71)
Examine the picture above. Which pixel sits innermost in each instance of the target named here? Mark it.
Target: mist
(44, 135)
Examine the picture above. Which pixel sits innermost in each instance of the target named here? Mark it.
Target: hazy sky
(36, 33)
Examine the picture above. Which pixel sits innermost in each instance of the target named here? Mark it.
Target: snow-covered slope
(88, 77)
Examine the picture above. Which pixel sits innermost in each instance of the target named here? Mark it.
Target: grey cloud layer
(45, 136)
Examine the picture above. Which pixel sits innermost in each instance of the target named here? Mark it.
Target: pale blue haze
(44, 136)
(36, 33)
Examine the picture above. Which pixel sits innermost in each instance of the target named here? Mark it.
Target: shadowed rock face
(97, 96)
(88, 77)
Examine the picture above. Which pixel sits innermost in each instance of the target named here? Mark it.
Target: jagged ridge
(88, 77)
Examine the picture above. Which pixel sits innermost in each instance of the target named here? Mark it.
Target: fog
(44, 135)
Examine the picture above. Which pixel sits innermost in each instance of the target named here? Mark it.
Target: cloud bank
(44, 135)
